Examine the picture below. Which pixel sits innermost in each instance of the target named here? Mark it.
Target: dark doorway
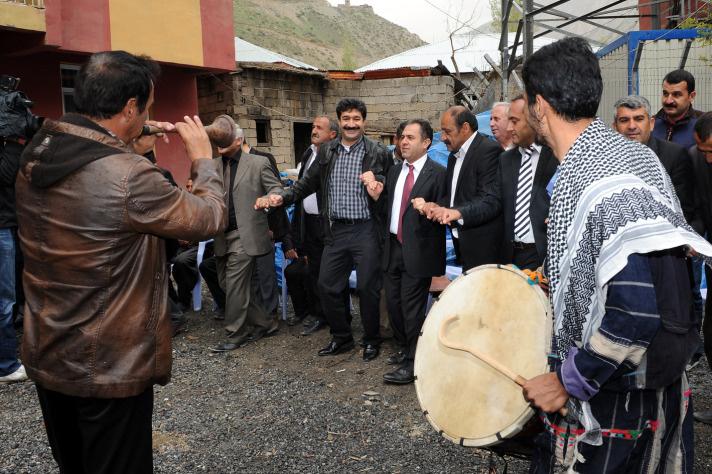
(302, 140)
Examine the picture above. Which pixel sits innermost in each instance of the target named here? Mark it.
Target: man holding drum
(624, 322)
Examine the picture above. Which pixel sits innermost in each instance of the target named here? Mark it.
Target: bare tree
(460, 26)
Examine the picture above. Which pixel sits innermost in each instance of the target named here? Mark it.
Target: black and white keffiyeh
(612, 198)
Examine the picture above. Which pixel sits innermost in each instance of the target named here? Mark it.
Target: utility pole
(504, 48)
(528, 43)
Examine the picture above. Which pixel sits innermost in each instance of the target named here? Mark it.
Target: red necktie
(407, 188)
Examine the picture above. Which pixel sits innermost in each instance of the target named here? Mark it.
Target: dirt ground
(275, 406)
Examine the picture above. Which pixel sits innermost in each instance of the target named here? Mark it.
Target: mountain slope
(321, 35)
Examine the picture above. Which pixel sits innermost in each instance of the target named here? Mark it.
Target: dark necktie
(407, 188)
(226, 187)
(522, 223)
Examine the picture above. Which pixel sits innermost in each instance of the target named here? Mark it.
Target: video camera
(16, 120)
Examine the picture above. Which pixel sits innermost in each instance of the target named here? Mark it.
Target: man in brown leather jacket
(91, 214)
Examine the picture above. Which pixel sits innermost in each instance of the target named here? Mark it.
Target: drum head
(503, 316)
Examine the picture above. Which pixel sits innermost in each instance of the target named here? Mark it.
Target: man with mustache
(676, 120)
(352, 225)
(471, 170)
(519, 193)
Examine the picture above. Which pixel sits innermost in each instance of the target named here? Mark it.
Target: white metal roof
(248, 52)
(471, 50)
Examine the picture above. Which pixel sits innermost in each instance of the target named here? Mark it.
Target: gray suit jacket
(254, 178)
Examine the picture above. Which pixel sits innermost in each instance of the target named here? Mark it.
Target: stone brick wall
(390, 101)
(283, 97)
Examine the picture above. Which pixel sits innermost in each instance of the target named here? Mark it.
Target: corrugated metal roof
(471, 50)
(246, 51)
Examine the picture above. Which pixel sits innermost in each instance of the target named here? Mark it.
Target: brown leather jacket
(97, 319)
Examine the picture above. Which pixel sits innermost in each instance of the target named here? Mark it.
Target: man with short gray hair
(498, 124)
(632, 118)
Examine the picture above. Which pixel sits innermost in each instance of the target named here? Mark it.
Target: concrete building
(276, 99)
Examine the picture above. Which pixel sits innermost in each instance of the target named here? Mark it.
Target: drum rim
(528, 413)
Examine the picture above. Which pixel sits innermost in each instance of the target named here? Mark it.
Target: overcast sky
(429, 19)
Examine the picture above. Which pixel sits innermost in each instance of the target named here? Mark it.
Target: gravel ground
(275, 406)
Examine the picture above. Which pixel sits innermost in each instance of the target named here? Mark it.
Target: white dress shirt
(309, 202)
(398, 192)
(459, 159)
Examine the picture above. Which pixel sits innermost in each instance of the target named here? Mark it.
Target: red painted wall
(40, 79)
(85, 25)
(218, 34)
(176, 95)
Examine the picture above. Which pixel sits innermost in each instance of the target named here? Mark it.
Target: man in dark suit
(631, 117)
(519, 194)
(246, 177)
(414, 250)
(306, 240)
(701, 156)
(471, 170)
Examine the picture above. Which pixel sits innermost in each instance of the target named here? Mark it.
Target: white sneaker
(17, 376)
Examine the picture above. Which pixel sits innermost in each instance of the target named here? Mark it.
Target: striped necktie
(522, 222)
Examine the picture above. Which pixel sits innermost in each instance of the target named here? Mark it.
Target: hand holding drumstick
(542, 391)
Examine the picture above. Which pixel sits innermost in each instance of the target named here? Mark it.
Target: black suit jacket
(676, 161)
(702, 172)
(277, 219)
(502, 198)
(423, 239)
(298, 234)
(478, 245)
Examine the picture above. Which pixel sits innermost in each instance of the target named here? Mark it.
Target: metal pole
(528, 47)
(504, 47)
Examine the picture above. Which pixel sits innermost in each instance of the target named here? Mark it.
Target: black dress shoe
(294, 320)
(337, 348)
(230, 346)
(309, 320)
(258, 334)
(399, 376)
(219, 314)
(371, 351)
(313, 329)
(397, 359)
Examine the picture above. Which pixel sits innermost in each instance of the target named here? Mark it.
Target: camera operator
(16, 123)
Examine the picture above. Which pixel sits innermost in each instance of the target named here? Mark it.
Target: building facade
(44, 42)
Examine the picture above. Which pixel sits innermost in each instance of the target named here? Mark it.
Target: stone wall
(285, 101)
(390, 101)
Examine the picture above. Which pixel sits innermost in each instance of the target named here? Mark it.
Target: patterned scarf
(612, 198)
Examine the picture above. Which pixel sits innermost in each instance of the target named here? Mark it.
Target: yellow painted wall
(22, 16)
(166, 30)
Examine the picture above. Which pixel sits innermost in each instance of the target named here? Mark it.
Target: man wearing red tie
(415, 249)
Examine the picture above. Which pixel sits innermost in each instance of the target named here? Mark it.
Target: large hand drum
(503, 316)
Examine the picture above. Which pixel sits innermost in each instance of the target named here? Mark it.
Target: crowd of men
(616, 216)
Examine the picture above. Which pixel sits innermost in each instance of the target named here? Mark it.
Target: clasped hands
(434, 212)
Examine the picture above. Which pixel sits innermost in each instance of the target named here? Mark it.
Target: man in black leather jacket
(353, 227)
